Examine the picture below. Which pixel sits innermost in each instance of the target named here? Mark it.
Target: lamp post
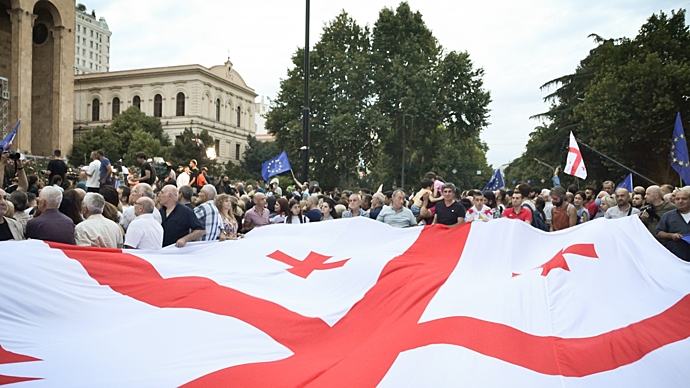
(305, 110)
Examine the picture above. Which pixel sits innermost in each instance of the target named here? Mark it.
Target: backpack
(537, 221)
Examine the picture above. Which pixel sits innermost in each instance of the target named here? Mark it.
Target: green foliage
(131, 132)
(187, 147)
(622, 100)
(375, 94)
(256, 153)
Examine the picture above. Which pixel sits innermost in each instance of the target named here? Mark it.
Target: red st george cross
(361, 347)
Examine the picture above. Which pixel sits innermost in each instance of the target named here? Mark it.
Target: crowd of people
(141, 210)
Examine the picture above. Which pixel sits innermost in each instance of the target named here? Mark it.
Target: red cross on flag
(574, 165)
(354, 303)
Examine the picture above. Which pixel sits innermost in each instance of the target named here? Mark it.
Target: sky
(520, 44)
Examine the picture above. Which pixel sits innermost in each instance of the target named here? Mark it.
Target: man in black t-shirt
(56, 167)
(148, 174)
(449, 211)
(193, 175)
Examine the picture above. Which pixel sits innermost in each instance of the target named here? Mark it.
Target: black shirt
(5, 232)
(673, 222)
(57, 167)
(147, 167)
(449, 215)
(193, 177)
(178, 224)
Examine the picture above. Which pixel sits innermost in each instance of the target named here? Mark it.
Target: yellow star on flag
(675, 139)
(682, 135)
(675, 160)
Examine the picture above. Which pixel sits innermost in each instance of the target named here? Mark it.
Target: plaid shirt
(208, 214)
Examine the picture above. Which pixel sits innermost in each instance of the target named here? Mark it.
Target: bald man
(624, 208)
(258, 215)
(656, 207)
(178, 220)
(144, 232)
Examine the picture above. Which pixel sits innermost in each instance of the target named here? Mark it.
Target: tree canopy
(622, 100)
(381, 100)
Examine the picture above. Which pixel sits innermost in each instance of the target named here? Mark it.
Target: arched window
(179, 102)
(238, 116)
(136, 101)
(218, 109)
(95, 109)
(116, 106)
(157, 106)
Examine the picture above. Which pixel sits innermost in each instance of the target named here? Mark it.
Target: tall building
(215, 99)
(92, 43)
(260, 112)
(36, 56)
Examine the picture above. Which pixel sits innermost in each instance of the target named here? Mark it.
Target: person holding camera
(23, 183)
(656, 207)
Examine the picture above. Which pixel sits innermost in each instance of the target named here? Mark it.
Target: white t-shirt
(128, 217)
(144, 233)
(93, 174)
(686, 217)
(483, 214)
(182, 180)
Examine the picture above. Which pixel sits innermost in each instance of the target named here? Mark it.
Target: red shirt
(524, 214)
(592, 208)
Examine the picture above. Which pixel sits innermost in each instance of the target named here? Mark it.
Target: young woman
(296, 216)
(579, 202)
(281, 209)
(227, 205)
(328, 210)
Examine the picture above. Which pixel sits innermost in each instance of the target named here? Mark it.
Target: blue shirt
(208, 214)
(104, 170)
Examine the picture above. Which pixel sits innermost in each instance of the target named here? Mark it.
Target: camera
(15, 155)
(650, 210)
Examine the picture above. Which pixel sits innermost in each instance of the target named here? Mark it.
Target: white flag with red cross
(355, 303)
(574, 165)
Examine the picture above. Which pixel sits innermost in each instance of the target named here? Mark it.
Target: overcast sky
(519, 44)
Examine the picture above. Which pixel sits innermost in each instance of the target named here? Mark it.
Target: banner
(574, 165)
(352, 302)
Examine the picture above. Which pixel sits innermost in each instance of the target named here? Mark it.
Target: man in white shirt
(140, 190)
(479, 211)
(144, 232)
(183, 178)
(96, 230)
(93, 182)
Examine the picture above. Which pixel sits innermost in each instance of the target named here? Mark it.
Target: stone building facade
(192, 96)
(36, 56)
(92, 51)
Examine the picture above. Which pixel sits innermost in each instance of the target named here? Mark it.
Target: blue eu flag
(275, 166)
(6, 143)
(495, 183)
(679, 152)
(627, 183)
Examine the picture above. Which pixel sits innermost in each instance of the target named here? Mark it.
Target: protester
(656, 207)
(674, 225)
(71, 205)
(185, 194)
(207, 213)
(591, 202)
(624, 209)
(178, 220)
(258, 215)
(194, 173)
(607, 202)
(96, 230)
(417, 199)
(144, 232)
(377, 201)
(609, 187)
(226, 205)
(478, 210)
(20, 201)
(637, 200)
(171, 177)
(355, 207)
(518, 211)
(313, 212)
(93, 182)
(579, 203)
(183, 178)
(328, 210)
(282, 208)
(138, 191)
(296, 216)
(148, 173)
(397, 214)
(124, 192)
(366, 202)
(56, 167)
(563, 214)
(10, 229)
(449, 211)
(490, 202)
(106, 169)
(50, 225)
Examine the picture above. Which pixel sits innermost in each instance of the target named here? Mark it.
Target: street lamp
(211, 153)
(305, 110)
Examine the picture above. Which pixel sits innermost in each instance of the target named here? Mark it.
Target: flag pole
(619, 164)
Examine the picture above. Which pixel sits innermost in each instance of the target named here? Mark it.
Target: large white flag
(574, 165)
(352, 303)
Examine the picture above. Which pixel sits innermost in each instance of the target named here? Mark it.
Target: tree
(190, 145)
(129, 133)
(622, 100)
(256, 153)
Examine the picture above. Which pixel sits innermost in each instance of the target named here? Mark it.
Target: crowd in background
(140, 208)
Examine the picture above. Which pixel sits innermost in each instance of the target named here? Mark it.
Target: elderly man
(258, 215)
(609, 187)
(377, 201)
(51, 225)
(208, 213)
(397, 214)
(674, 225)
(655, 209)
(9, 229)
(180, 225)
(140, 190)
(184, 196)
(624, 208)
(355, 207)
(96, 230)
(144, 232)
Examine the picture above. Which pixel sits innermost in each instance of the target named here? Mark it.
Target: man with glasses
(355, 207)
(180, 225)
(9, 229)
(145, 232)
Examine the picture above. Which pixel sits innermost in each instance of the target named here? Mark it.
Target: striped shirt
(208, 214)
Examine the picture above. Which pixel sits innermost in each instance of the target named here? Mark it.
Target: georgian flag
(355, 303)
(574, 165)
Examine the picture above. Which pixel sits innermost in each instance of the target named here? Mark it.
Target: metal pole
(305, 110)
(619, 164)
(402, 178)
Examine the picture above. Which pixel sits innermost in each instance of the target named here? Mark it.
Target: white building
(215, 99)
(92, 44)
(261, 110)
